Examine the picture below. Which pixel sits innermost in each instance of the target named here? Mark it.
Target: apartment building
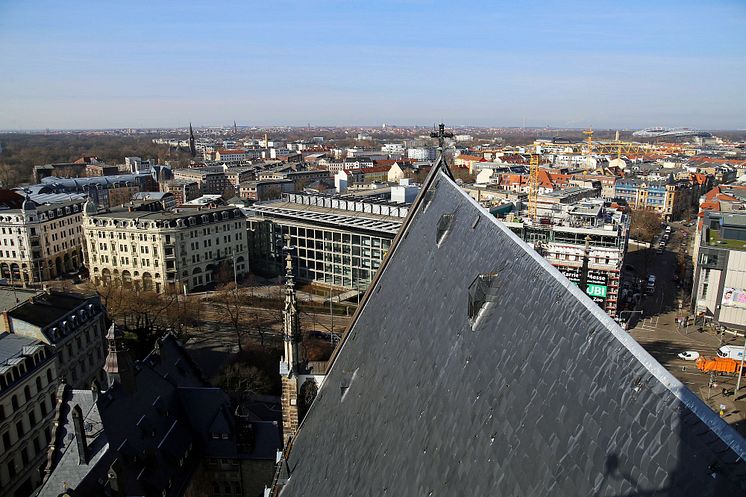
(422, 153)
(336, 165)
(183, 190)
(39, 241)
(28, 396)
(211, 180)
(236, 155)
(719, 286)
(266, 189)
(176, 250)
(236, 175)
(73, 326)
(668, 198)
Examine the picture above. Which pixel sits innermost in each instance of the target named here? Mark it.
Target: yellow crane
(589, 132)
(533, 187)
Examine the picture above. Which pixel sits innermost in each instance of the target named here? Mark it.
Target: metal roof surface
(543, 396)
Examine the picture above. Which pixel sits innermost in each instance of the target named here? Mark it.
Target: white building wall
(735, 277)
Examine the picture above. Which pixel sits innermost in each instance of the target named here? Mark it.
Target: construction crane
(589, 132)
(533, 187)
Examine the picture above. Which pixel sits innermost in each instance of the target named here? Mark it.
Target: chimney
(83, 456)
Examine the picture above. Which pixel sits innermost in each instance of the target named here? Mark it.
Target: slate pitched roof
(542, 394)
(152, 437)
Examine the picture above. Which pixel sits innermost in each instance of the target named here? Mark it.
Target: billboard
(734, 297)
(596, 282)
(597, 285)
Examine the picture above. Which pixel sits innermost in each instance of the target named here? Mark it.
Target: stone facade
(41, 241)
(289, 403)
(176, 250)
(28, 395)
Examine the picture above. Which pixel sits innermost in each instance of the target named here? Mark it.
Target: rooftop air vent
(481, 291)
(444, 226)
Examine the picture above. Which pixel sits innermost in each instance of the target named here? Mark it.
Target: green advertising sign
(596, 290)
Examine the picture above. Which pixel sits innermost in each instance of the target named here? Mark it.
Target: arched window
(27, 392)
(49, 376)
(38, 384)
(14, 402)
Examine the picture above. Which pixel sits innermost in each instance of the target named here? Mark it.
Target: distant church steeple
(192, 147)
(119, 367)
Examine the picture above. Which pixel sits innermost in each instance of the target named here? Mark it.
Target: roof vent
(481, 291)
(345, 385)
(444, 226)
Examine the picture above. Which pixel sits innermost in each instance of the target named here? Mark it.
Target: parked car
(689, 355)
(731, 351)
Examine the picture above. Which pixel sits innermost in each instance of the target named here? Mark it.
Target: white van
(731, 352)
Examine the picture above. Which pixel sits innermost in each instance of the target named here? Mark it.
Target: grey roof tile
(436, 407)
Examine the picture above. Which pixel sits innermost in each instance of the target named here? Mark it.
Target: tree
(145, 313)
(229, 302)
(242, 378)
(645, 225)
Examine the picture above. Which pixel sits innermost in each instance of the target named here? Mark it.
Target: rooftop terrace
(714, 240)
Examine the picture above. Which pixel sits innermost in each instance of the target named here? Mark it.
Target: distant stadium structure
(669, 132)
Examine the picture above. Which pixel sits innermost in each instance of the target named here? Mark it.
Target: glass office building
(338, 241)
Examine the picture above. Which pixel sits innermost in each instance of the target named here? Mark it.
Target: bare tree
(645, 225)
(229, 303)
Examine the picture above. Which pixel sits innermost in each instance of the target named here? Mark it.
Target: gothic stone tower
(291, 364)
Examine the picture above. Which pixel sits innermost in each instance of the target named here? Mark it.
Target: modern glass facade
(342, 258)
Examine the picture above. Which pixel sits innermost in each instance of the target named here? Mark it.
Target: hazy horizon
(90, 65)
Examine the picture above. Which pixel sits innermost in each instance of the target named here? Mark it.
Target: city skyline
(90, 66)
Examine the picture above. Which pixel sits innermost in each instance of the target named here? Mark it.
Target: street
(658, 332)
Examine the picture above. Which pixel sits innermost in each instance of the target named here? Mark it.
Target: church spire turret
(291, 319)
(119, 367)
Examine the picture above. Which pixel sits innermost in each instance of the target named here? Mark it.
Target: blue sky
(81, 64)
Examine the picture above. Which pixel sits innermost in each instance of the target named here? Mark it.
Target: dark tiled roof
(542, 395)
(47, 308)
(154, 437)
(11, 346)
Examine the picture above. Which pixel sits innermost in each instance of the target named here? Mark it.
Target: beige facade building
(28, 395)
(40, 241)
(73, 326)
(176, 250)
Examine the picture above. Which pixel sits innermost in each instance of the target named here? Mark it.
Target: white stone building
(176, 250)
(40, 241)
(422, 153)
